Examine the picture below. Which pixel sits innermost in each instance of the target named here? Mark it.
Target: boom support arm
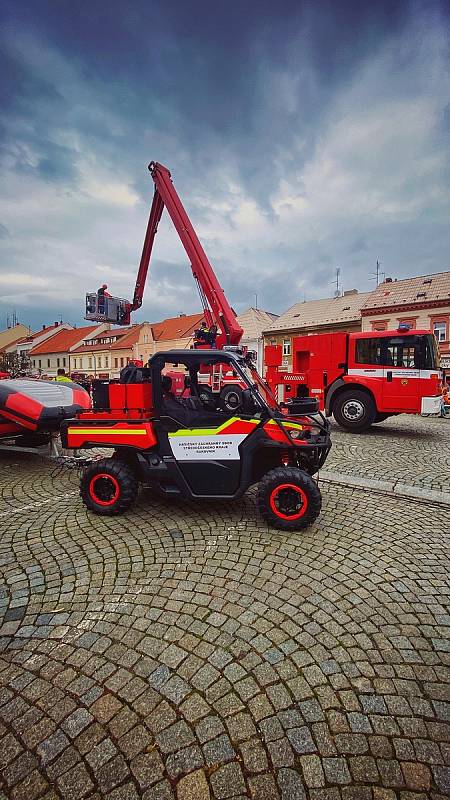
(166, 195)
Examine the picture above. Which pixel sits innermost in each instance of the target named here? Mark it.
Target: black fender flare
(331, 391)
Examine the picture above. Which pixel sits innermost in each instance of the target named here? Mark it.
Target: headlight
(295, 434)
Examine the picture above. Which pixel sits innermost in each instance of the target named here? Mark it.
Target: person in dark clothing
(177, 408)
(102, 293)
(212, 336)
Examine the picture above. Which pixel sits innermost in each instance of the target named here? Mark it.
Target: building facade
(56, 352)
(422, 303)
(253, 322)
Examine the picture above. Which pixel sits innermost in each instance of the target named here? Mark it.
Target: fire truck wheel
(108, 487)
(354, 410)
(205, 394)
(231, 397)
(289, 499)
(381, 418)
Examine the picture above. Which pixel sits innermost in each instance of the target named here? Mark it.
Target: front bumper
(431, 405)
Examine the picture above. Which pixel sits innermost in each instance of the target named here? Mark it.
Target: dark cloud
(301, 137)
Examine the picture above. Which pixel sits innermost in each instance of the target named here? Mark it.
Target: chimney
(388, 280)
(56, 324)
(350, 291)
(43, 327)
(182, 315)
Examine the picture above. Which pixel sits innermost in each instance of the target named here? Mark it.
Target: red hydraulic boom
(217, 310)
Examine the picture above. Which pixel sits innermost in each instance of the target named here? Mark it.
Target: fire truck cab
(361, 378)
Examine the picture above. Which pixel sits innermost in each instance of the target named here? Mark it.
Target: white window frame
(440, 330)
(286, 347)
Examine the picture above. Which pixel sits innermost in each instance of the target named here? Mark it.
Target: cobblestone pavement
(188, 651)
(413, 450)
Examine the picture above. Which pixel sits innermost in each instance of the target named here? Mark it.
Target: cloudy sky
(301, 136)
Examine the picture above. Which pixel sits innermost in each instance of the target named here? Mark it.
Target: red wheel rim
(104, 489)
(288, 501)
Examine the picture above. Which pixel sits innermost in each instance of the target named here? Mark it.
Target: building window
(145, 338)
(39, 363)
(48, 363)
(121, 362)
(379, 326)
(406, 321)
(64, 362)
(286, 347)
(106, 361)
(440, 331)
(57, 362)
(90, 362)
(116, 363)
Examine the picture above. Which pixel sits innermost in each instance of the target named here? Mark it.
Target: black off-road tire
(273, 496)
(354, 410)
(108, 487)
(381, 418)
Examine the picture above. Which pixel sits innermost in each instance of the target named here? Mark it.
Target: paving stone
(263, 787)
(183, 761)
(417, 776)
(208, 728)
(312, 771)
(218, 750)
(147, 768)
(301, 740)
(254, 756)
(336, 770)
(50, 748)
(193, 787)
(76, 722)
(227, 781)
(175, 737)
(442, 778)
(281, 753)
(291, 785)
(75, 784)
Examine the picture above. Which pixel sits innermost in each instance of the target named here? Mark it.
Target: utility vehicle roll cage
(193, 359)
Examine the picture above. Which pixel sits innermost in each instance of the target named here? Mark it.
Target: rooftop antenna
(337, 291)
(256, 301)
(11, 320)
(375, 276)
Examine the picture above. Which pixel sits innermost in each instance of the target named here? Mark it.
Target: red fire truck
(361, 378)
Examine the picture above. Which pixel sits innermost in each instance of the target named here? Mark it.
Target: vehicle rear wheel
(289, 499)
(231, 397)
(354, 410)
(108, 487)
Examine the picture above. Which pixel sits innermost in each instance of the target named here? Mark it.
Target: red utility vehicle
(361, 378)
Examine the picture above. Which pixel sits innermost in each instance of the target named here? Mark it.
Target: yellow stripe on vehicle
(108, 431)
(294, 425)
(212, 431)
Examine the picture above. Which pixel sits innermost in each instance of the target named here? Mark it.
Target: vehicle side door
(401, 361)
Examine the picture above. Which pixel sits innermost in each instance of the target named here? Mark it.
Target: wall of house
(49, 363)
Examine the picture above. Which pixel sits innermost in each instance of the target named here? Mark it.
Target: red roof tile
(62, 341)
(176, 327)
(127, 335)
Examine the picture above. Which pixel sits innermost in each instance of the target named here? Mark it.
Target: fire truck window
(401, 352)
(368, 351)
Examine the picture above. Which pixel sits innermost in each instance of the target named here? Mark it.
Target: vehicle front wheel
(289, 499)
(108, 487)
(381, 418)
(354, 410)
